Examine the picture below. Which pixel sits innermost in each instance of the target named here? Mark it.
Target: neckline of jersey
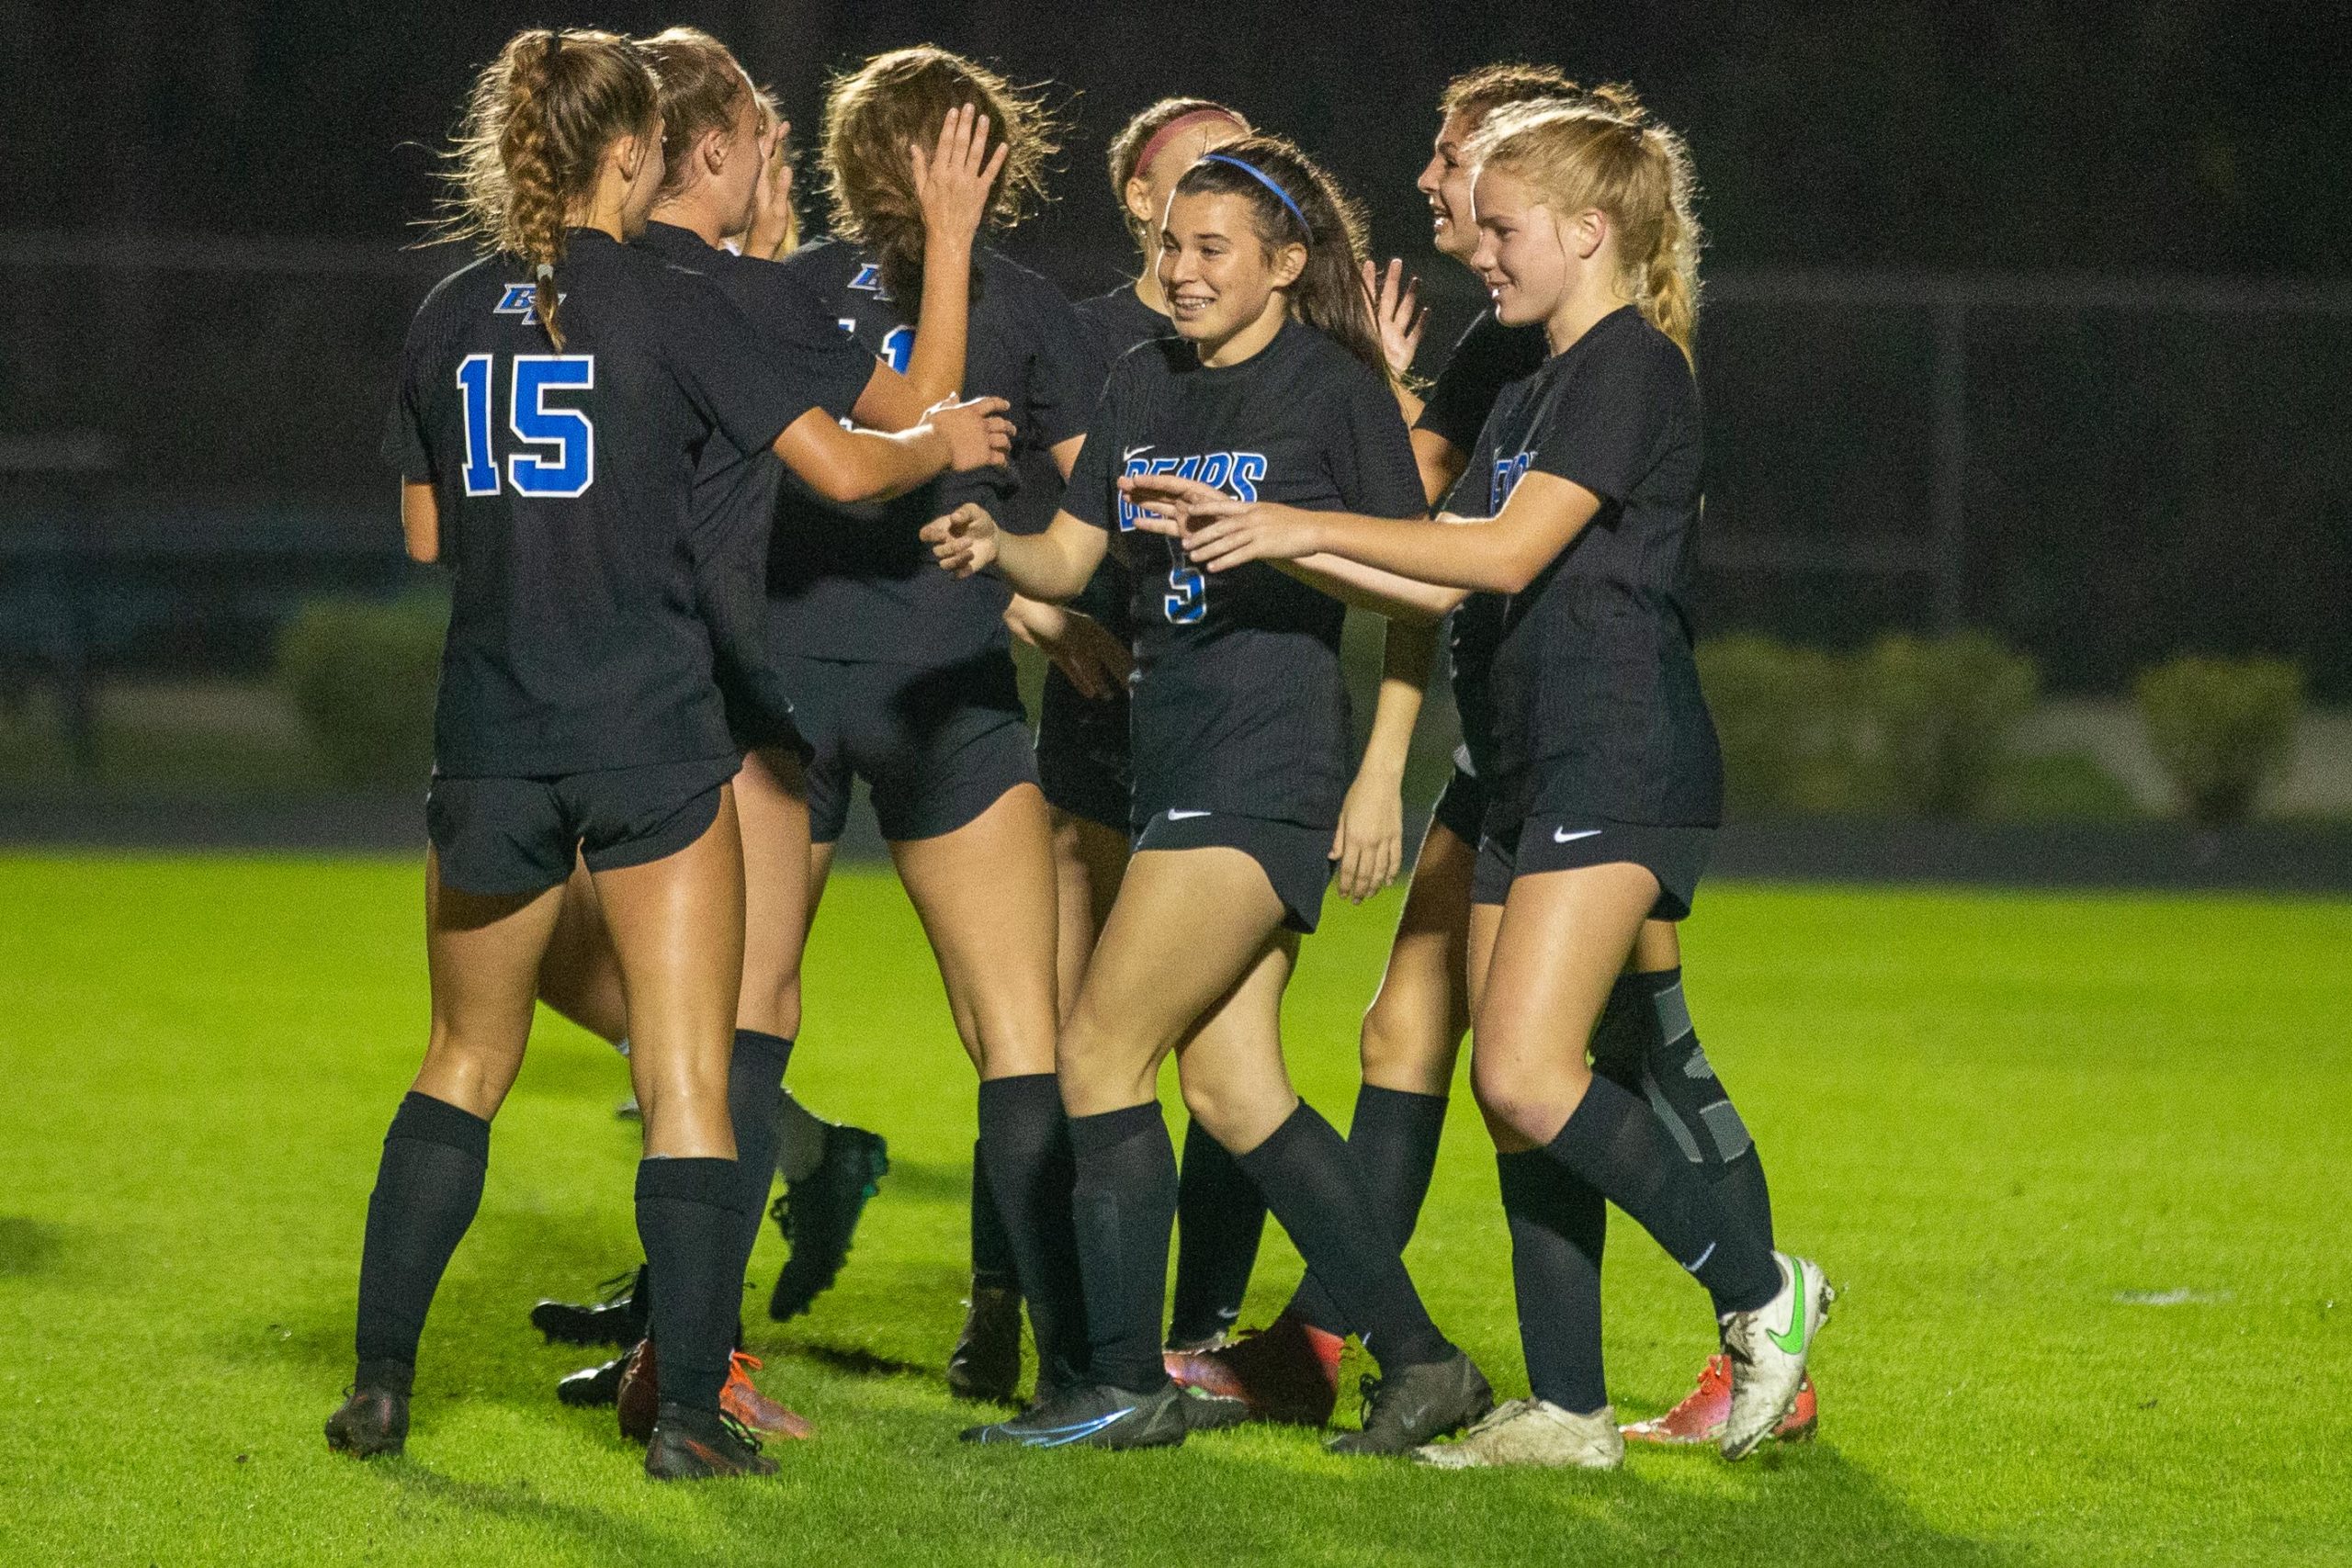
(1611, 323)
(1281, 342)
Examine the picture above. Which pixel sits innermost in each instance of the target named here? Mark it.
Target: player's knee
(1400, 1050)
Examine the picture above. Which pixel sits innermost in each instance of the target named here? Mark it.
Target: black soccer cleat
(617, 1318)
(702, 1445)
(593, 1388)
(1210, 1411)
(819, 1214)
(1417, 1404)
(1094, 1415)
(368, 1422)
(986, 1363)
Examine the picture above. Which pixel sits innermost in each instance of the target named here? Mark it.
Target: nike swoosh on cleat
(1055, 1436)
(1792, 1341)
(1562, 836)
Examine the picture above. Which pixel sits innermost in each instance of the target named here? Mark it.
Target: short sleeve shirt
(1239, 705)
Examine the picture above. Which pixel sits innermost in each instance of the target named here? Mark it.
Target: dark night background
(2136, 217)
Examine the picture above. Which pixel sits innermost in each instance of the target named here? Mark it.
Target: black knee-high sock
(1395, 1137)
(1026, 1154)
(754, 1094)
(1558, 1224)
(1220, 1219)
(687, 1220)
(427, 1187)
(1616, 1145)
(1125, 1203)
(1645, 1041)
(1312, 1184)
(992, 1262)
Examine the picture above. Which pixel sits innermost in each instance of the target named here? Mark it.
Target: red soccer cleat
(1287, 1371)
(744, 1402)
(1699, 1417)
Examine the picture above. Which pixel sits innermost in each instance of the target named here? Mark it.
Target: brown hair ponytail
(1608, 153)
(535, 132)
(1291, 200)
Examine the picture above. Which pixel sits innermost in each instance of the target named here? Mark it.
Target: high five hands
(1217, 532)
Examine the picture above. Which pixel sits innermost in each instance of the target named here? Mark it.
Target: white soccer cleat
(1532, 1433)
(1768, 1349)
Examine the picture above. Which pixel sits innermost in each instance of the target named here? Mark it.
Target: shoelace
(612, 1290)
(1368, 1390)
(740, 1433)
(743, 1358)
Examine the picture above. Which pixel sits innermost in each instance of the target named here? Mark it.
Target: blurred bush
(2060, 787)
(1785, 716)
(2221, 728)
(1939, 713)
(363, 675)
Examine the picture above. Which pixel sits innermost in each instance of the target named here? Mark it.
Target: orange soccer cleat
(1699, 1417)
(1287, 1371)
(768, 1417)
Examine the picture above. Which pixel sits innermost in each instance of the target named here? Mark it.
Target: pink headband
(1181, 124)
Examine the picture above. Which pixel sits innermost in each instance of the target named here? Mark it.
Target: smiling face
(1522, 254)
(1215, 272)
(1445, 182)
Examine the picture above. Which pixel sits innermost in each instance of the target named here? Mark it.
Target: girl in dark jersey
(905, 679)
(577, 713)
(1275, 389)
(719, 181)
(1606, 782)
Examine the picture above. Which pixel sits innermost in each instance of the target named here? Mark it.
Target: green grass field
(2079, 1165)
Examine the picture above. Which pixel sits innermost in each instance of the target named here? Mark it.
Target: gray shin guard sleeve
(1682, 1088)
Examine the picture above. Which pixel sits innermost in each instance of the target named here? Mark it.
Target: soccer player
(1275, 387)
(721, 181)
(1644, 1039)
(903, 677)
(577, 714)
(1606, 780)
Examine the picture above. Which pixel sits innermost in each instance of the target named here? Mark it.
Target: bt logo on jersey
(1235, 473)
(1508, 472)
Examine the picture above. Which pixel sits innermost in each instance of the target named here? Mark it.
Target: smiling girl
(1275, 387)
(1607, 780)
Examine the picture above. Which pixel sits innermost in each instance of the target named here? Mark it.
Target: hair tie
(546, 271)
(555, 42)
(1264, 179)
(1180, 125)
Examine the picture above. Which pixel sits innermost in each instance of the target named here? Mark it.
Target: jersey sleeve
(1371, 455)
(1607, 425)
(405, 448)
(1092, 495)
(824, 365)
(724, 363)
(1065, 367)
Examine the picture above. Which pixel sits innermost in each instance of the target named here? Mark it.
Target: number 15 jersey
(1239, 705)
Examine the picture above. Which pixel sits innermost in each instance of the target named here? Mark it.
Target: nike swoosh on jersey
(1562, 836)
(1134, 452)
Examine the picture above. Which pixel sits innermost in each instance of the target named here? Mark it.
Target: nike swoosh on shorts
(1562, 836)
(1181, 816)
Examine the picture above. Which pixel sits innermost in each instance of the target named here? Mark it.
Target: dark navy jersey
(1239, 702)
(1488, 358)
(565, 482)
(1594, 684)
(855, 581)
(736, 494)
(1119, 322)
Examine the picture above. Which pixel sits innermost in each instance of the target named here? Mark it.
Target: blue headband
(1264, 179)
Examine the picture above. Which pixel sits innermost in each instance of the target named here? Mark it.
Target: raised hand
(771, 232)
(964, 541)
(1398, 312)
(955, 179)
(1217, 532)
(978, 435)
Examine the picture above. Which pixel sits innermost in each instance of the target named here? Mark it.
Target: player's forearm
(936, 367)
(1043, 566)
(1440, 463)
(1365, 587)
(420, 522)
(1485, 557)
(1407, 652)
(890, 464)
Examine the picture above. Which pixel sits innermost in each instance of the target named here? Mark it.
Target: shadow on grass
(29, 1246)
(929, 1181)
